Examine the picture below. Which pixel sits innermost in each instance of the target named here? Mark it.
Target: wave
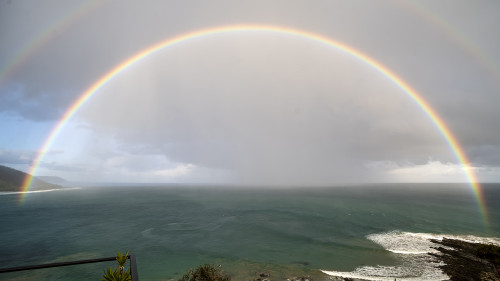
(364, 275)
(413, 250)
(39, 191)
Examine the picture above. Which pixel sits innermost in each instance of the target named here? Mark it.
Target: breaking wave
(38, 191)
(412, 249)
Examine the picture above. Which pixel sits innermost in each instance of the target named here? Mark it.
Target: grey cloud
(65, 167)
(233, 102)
(274, 118)
(42, 107)
(15, 157)
(488, 155)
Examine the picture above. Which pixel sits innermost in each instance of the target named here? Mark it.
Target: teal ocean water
(379, 232)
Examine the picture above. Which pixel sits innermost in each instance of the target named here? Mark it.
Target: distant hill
(54, 180)
(12, 180)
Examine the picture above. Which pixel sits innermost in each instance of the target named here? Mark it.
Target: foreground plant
(121, 259)
(205, 273)
(119, 273)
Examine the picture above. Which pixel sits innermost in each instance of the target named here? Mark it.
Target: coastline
(458, 259)
(461, 261)
(37, 191)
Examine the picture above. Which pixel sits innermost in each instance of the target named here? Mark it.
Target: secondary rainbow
(25, 53)
(455, 34)
(411, 93)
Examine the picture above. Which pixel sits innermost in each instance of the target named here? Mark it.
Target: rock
(305, 263)
(260, 279)
(300, 279)
(462, 263)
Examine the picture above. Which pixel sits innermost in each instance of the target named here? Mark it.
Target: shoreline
(37, 191)
(458, 259)
(461, 260)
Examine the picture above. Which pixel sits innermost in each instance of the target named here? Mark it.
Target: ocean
(376, 232)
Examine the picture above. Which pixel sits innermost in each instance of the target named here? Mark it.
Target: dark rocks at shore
(266, 277)
(304, 263)
(336, 278)
(262, 276)
(462, 263)
(299, 279)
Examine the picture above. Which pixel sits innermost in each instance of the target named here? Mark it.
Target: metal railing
(133, 266)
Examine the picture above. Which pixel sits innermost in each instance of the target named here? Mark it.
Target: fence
(133, 266)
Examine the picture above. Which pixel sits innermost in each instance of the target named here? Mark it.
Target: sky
(251, 107)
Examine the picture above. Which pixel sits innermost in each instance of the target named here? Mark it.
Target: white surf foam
(412, 249)
(420, 243)
(354, 275)
(404, 242)
(368, 274)
(39, 191)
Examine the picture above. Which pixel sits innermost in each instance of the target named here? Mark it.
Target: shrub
(119, 273)
(116, 275)
(205, 273)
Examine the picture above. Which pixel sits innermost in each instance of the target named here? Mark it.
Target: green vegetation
(489, 252)
(12, 180)
(121, 259)
(119, 273)
(8, 186)
(205, 273)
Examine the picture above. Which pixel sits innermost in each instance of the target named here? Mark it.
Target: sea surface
(376, 232)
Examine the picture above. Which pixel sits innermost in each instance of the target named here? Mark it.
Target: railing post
(133, 266)
(57, 264)
(133, 269)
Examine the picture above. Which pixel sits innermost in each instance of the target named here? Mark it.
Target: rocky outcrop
(461, 262)
(267, 277)
(299, 279)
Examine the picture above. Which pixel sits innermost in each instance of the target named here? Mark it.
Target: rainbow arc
(136, 58)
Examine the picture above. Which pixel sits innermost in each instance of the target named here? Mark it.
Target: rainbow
(411, 93)
(445, 28)
(51, 31)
